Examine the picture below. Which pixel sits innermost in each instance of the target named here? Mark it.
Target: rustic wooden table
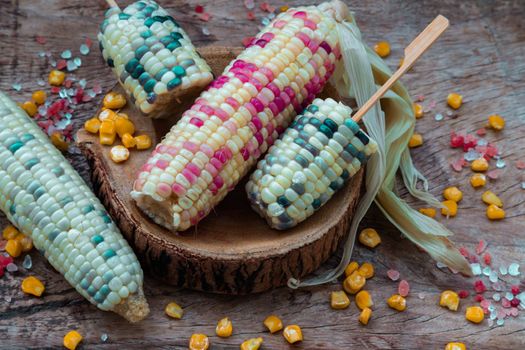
(481, 56)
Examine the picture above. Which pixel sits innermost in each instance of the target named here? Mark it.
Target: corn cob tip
(134, 309)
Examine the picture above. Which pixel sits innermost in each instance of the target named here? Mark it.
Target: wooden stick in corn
(43, 196)
(152, 56)
(241, 114)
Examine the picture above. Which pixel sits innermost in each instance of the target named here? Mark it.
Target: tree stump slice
(233, 250)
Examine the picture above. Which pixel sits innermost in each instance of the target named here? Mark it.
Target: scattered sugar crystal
(493, 277)
(471, 155)
(487, 271)
(17, 86)
(77, 61)
(497, 286)
(482, 142)
(496, 297)
(514, 269)
(265, 21)
(249, 4)
(205, 31)
(8, 298)
(492, 308)
(41, 54)
(438, 117)
(11, 267)
(421, 295)
(71, 65)
(28, 262)
(500, 322)
(84, 49)
(491, 323)
(476, 269)
(104, 337)
(271, 16)
(523, 185)
(41, 82)
(66, 54)
(53, 62)
(503, 270)
(509, 296)
(82, 83)
(500, 164)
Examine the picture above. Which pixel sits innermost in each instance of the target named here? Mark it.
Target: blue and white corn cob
(311, 160)
(45, 198)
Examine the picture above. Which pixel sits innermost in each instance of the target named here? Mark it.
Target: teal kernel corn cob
(152, 56)
(311, 160)
(46, 199)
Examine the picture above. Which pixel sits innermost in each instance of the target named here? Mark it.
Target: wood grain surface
(480, 56)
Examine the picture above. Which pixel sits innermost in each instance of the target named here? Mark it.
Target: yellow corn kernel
(364, 317)
(174, 310)
(124, 126)
(10, 232)
(107, 114)
(128, 141)
(369, 237)
(273, 323)
(478, 180)
(114, 100)
(56, 77)
(107, 132)
(199, 342)
(363, 300)
(397, 302)
(451, 208)
(353, 266)
(143, 141)
(496, 122)
(474, 314)
(415, 141)
(252, 344)
(489, 197)
(382, 48)
(39, 97)
(32, 285)
(92, 125)
(449, 299)
(25, 242)
(455, 346)
(495, 213)
(479, 165)
(59, 141)
(353, 283)
(339, 300)
(453, 193)
(293, 334)
(30, 108)
(224, 328)
(13, 248)
(72, 339)
(366, 270)
(418, 110)
(454, 100)
(431, 212)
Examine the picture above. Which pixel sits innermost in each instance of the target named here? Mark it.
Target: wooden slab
(233, 250)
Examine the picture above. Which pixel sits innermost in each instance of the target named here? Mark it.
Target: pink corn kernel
(479, 286)
(479, 298)
(463, 294)
(310, 24)
(178, 189)
(211, 169)
(194, 169)
(393, 274)
(197, 122)
(218, 181)
(162, 164)
(279, 24)
(299, 14)
(403, 288)
(189, 176)
(190, 146)
(164, 189)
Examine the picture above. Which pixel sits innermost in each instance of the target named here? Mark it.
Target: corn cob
(46, 199)
(311, 160)
(151, 55)
(243, 111)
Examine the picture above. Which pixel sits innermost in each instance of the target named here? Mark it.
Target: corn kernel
(495, 213)
(224, 328)
(455, 346)
(72, 339)
(363, 300)
(353, 266)
(489, 197)
(124, 126)
(56, 77)
(13, 248)
(339, 300)
(474, 314)
(10, 232)
(364, 317)
(431, 212)
(382, 48)
(496, 122)
(114, 100)
(199, 342)
(143, 141)
(107, 114)
(39, 97)
(418, 110)
(397, 302)
(366, 270)
(92, 125)
(369, 237)
(415, 141)
(252, 344)
(273, 323)
(451, 208)
(25, 242)
(454, 100)
(30, 108)
(122, 115)
(293, 334)
(59, 141)
(449, 299)
(128, 141)
(353, 283)
(453, 193)
(174, 310)
(107, 132)
(32, 285)
(479, 165)
(478, 180)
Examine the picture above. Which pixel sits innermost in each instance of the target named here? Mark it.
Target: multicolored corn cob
(152, 56)
(311, 160)
(240, 115)
(46, 199)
